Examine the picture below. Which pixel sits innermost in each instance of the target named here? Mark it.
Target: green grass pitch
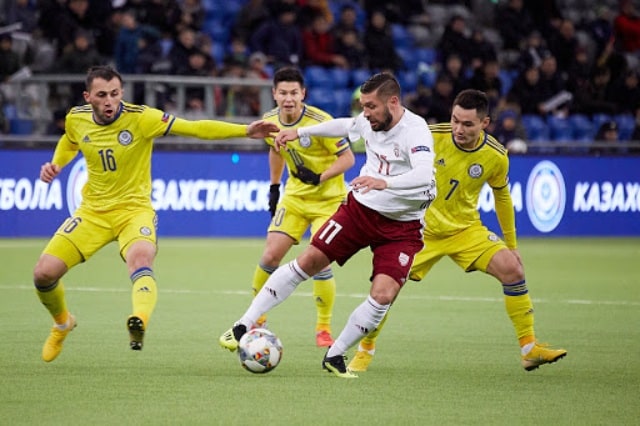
(448, 355)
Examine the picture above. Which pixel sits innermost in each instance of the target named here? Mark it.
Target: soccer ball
(260, 350)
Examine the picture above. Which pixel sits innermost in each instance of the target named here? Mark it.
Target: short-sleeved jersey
(316, 153)
(118, 154)
(392, 153)
(460, 176)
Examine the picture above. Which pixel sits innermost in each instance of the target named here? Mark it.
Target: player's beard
(103, 119)
(384, 124)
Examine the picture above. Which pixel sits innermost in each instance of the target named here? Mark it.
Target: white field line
(245, 293)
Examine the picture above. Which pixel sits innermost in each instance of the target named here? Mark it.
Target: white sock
(278, 287)
(364, 319)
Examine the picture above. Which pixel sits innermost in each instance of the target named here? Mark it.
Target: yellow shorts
(472, 249)
(294, 215)
(82, 235)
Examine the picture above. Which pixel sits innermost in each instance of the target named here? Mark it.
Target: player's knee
(46, 273)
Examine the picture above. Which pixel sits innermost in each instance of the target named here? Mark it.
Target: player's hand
(49, 171)
(307, 176)
(274, 197)
(516, 253)
(285, 136)
(262, 129)
(364, 184)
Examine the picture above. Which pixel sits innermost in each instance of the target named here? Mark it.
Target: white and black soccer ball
(259, 350)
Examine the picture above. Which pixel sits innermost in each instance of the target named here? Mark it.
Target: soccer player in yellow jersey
(466, 158)
(116, 140)
(313, 191)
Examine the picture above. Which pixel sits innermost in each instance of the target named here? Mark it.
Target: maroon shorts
(354, 226)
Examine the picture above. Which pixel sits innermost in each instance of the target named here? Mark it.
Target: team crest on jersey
(305, 141)
(475, 170)
(125, 137)
(403, 258)
(145, 231)
(396, 150)
(494, 238)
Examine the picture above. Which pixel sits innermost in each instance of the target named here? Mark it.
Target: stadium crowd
(555, 70)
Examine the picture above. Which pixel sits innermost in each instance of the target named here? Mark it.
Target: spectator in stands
(237, 100)
(280, 39)
(441, 100)
(378, 42)
(526, 91)
(455, 41)
(78, 58)
(553, 87)
(319, 45)
(486, 78)
(508, 127)
(453, 67)
(595, 98)
(563, 44)
(626, 27)
(347, 21)
(182, 48)
(309, 9)
(238, 51)
(635, 135)
(535, 47)
(258, 66)
(251, 15)
(608, 134)
(56, 127)
(349, 46)
(481, 51)
(128, 42)
(514, 23)
(580, 70)
(22, 11)
(192, 15)
(61, 22)
(625, 92)
(545, 14)
(10, 61)
(601, 29)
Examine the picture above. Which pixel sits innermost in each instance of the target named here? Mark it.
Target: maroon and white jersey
(403, 157)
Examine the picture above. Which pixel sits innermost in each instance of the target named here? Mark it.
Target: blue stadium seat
(560, 129)
(322, 98)
(537, 131)
(599, 119)
(343, 102)
(582, 127)
(401, 37)
(408, 81)
(408, 57)
(626, 124)
(507, 77)
(217, 29)
(359, 76)
(341, 77)
(426, 55)
(317, 77)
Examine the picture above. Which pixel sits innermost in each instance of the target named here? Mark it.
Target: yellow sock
(324, 295)
(520, 309)
(53, 299)
(368, 342)
(144, 293)
(260, 276)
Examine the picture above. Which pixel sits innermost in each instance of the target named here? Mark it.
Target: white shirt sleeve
(338, 127)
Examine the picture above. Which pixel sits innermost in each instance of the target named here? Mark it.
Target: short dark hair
(384, 83)
(473, 99)
(288, 74)
(104, 72)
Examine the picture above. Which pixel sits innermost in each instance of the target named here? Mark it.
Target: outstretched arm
(64, 153)
(214, 129)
